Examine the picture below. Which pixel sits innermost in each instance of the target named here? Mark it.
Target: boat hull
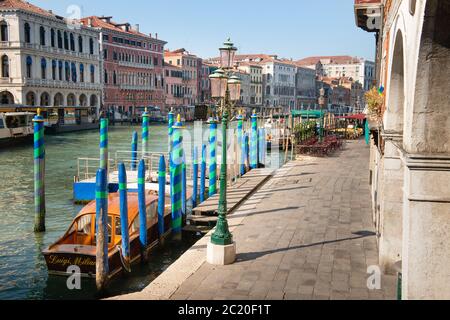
(58, 261)
(16, 141)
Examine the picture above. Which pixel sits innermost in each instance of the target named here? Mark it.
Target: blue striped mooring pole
(145, 133)
(142, 207)
(101, 204)
(134, 150)
(39, 173)
(123, 194)
(183, 187)
(104, 156)
(203, 176)
(241, 140)
(213, 157)
(254, 143)
(176, 179)
(161, 194)
(195, 178)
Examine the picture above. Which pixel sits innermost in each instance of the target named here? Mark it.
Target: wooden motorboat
(78, 245)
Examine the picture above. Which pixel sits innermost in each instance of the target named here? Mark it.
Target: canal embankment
(306, 234)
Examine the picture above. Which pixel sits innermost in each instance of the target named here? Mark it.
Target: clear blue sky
(290, 28)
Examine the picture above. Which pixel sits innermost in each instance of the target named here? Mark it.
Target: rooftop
(25, 6)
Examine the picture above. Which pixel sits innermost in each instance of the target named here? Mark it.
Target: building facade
(256, 84)
(132, 67)
(47, 60)
(191, 67)
(410, 149)
(305, 81)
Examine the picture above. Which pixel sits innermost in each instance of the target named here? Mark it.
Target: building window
(74, 72)
(80, 44)
(52, 37)
(67, 69)
(29, 64)
(92, 73)
(66, 41)
(27, 33)
(91, 46)
(81, 72)
(30, 99)
(106, 77)
(60, 40)
(42, 35)
(114, 77)
(3, 31)
(60, 70)
(5, 66)
(45, 99)
(72, 42)
(54, 69)
(105, 54)
(43, 68)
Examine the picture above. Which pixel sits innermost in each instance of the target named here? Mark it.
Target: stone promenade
(306, 234)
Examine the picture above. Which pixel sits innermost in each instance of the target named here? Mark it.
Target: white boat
(16, 128)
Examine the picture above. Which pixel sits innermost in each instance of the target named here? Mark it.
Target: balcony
(58, 51)
(136, 87)
(61, 84)
(136, 65)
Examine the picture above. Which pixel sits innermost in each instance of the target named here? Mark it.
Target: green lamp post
(226, 89)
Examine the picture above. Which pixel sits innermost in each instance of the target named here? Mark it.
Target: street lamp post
(226, 89)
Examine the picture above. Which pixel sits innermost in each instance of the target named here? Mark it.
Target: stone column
(426, 225)
(391, 203)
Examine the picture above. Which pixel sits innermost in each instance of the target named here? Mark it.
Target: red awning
(354, 117)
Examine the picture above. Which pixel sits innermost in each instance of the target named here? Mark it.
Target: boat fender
(126, 265)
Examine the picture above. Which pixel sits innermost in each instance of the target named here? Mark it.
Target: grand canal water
(23, 273)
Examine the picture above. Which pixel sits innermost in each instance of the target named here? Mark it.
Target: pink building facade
(133, 68)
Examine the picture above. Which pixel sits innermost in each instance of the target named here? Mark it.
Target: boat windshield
(14, 122)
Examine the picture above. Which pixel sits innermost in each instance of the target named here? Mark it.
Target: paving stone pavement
(308, 234)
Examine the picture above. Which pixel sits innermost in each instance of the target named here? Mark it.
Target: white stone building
(410, 149)
(359, 69)
(46, 60)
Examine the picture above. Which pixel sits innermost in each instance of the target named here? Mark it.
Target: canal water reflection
(23, 273)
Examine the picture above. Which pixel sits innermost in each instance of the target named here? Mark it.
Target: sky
(289, 28)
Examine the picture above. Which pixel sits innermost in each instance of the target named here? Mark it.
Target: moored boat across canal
(15, 128)
(78, 245)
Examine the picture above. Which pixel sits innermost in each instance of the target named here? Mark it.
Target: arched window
(30, 99)
(80, 44)
(29, 63)
(5, 66)
(115, 77)
(71, 100)
(27, 31)
(81, 72)
(44, 68)
(93, 101)
(45, 99)
(54, 65)
(60, 70)
(74, 72)
(91, 46)
(3, 31)
(67, 69)
(58, 101)
(72, 42)
(52, 37)
(106, 77)
(92, 73)
(6, 98)
(42, 35)
(60, 40)
(66, 41)
(83, 100)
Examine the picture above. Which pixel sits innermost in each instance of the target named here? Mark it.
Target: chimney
(156, 35)
(136, 27)
(90, 22)
(150, 35)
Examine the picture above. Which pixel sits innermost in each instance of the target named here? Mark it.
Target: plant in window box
(375, 100)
